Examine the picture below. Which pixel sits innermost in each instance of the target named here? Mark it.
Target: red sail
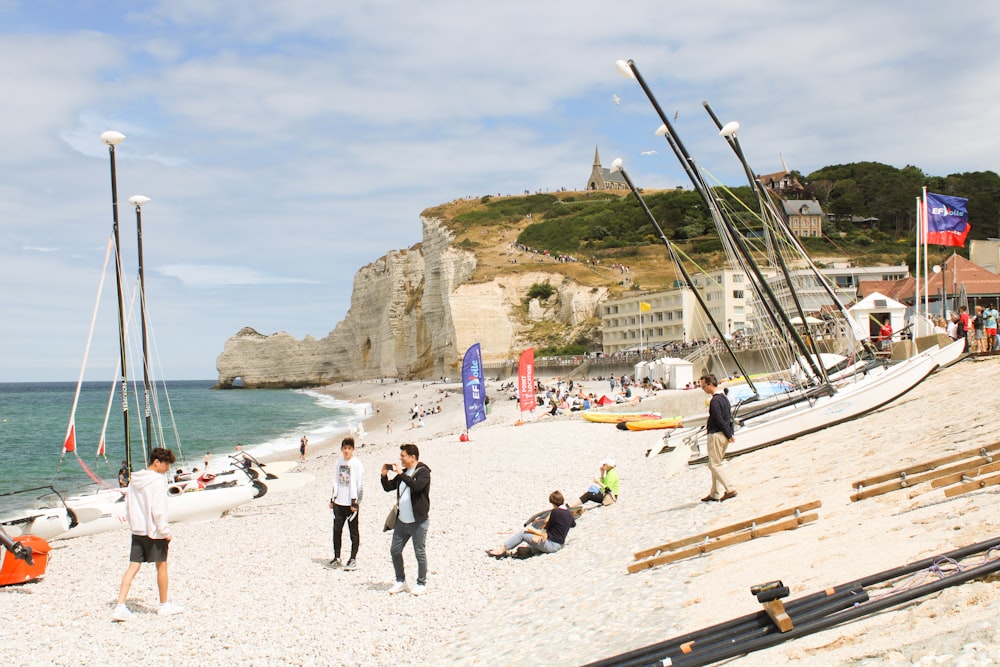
(70, 444)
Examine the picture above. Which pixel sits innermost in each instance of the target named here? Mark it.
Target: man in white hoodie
(348, 488)
(146, 509)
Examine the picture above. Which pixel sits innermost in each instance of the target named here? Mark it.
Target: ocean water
(34, 418)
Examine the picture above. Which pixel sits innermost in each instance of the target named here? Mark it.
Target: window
(737, 294)
(737, 277)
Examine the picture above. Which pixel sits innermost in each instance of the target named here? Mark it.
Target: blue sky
(284, 145)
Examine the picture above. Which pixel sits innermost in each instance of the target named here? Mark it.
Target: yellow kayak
(618, 417)
(652, 424)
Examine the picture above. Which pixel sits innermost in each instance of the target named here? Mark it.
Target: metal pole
(121, 308)
(145, 339)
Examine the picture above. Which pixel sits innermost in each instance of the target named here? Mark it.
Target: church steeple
(597, 157)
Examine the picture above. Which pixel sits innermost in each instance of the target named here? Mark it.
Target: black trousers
(340, 515)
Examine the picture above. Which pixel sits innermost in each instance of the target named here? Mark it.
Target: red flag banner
(526, 380)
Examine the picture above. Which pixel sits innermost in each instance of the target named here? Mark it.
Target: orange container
(15, 571)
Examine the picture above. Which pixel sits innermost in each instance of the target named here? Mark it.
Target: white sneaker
(169, 609)
(121, 613)
(397, 587)
(419, 589)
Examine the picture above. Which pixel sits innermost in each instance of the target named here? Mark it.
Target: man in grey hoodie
(146, 509)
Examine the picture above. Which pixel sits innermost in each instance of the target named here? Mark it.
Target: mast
(138, 201)
(680, 267)
(766, 207)
(628, 69)
(112, 139)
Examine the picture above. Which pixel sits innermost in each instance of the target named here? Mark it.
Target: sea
(193, 419)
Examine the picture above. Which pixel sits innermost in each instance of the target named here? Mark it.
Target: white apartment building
(674, 315)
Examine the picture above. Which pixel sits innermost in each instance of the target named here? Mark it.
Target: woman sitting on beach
(604, 490)
(546, 540)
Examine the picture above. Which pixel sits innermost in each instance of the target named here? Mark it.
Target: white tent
(871, 311)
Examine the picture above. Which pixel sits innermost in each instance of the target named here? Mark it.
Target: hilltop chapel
(604, 179)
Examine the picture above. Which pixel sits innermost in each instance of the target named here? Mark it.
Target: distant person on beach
(303, 443)
(124, 474)
(604, 489)
(412, 483)
(208, 457)
(546, 540)
(345, 501)
(990, 321)
(963, 325)
(885, 335)
(388, 427)
(146, 509)
(720, 434)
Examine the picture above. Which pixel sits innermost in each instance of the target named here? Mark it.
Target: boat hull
(617, 417)
(653, 424)
(852, 401)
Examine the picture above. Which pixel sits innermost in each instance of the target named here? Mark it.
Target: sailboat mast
(138, 201)
(688, 164)
(687, 278)
(112, 138)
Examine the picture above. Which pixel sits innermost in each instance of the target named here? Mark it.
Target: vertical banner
(526, 380)
(472, 387)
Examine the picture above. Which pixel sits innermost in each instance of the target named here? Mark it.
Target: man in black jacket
(412, 483)
(720, 434)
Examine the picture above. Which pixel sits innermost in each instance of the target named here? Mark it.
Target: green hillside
(873, 223)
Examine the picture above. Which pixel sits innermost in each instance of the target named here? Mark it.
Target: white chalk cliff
(413, 314)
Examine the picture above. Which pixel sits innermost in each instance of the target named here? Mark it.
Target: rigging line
(166, 396)
(90, 338)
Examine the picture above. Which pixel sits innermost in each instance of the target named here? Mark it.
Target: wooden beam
(972, 485)
(927, 465)
(718, 532)
(735, 538)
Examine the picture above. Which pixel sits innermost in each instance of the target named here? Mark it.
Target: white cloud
(284, 145)
(214, 276)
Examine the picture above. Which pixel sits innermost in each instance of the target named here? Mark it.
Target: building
(640, 321)
(845, 276)
(604, 179)
(783, 183)
(805, 216)
(674, 316)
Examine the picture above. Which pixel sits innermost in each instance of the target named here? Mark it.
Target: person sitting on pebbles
(604, 489)
(546, 540)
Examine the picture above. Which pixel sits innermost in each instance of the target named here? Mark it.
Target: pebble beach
(256, 590)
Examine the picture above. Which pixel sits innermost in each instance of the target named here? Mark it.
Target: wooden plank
(927, 465)
(776, 610)
(968, 472)
(737, 538)
(913, 480)
(972, 486)
(718, 532)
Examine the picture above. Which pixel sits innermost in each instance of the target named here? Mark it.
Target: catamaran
(758, 243)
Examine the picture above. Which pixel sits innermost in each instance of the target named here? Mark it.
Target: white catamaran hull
(99, 516)
(851, 401)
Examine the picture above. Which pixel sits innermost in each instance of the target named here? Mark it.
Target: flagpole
(923, 236)
(916, 269)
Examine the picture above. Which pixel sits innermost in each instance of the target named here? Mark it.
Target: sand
(256, 590)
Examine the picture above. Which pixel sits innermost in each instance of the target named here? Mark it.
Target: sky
(285, 145)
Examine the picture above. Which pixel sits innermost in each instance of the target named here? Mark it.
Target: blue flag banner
(473, 387)
(947, 220)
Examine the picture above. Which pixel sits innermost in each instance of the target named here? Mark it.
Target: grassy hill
(604, 229)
